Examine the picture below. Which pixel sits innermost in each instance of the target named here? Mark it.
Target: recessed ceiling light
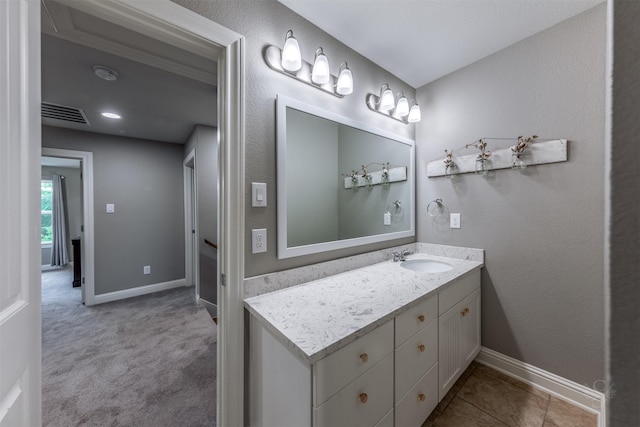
(105, 73)
(112, 115)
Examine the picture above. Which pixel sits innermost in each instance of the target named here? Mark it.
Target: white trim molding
(139, 290)
(577, 394)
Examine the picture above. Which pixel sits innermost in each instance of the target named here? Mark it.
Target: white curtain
(59, 253)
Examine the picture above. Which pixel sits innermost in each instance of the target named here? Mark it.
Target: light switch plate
(258, 194)
(454, 220)
(258, 240)
(111, 208)
(146, 269)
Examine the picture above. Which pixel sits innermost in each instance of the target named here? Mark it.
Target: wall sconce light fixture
(288, 61)
(397, 107)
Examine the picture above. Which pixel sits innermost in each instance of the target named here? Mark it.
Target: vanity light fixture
(415, 115)
(397, 108)
(320, 72)
(291, 57)
(402, 105)
(344, 86)
(288, 61)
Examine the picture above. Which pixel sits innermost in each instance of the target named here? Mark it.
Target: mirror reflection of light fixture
(344, 86)
(288, 61)
(320, 72)
(397, 108)
(291, 57)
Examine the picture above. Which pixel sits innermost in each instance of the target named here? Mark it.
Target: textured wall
(73, 187)
(624, 220)
(542, 229)
(264, 23)
(144, 181)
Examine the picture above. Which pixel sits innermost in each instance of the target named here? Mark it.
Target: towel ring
(435, 208)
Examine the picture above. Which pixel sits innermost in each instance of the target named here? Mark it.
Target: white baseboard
(569, 391)
(140, 290)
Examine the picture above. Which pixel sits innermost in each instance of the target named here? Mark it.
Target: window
(46, 204)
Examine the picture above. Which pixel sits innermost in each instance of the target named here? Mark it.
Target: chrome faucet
(401, 256)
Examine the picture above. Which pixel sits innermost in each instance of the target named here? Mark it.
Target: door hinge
(83, 280)
(82, 228)
(223, 279)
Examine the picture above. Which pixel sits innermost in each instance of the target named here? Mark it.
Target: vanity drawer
(414, 407)
(415, 318)
(455, 292)
(363, 402)
(415, 357)
(340, 368)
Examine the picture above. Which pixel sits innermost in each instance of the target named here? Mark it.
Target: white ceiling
(420, 41)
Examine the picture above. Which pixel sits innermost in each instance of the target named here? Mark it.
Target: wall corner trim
(562, 388)
(140, 290)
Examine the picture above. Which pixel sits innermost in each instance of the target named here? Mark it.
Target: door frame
(170, 22)
(88, 245)
(191, 271)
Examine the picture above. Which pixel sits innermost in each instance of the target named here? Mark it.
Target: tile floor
(484, 397)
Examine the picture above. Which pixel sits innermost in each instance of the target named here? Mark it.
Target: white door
(20, 357)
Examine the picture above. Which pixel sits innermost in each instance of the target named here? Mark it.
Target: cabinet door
(470, 329)
(458, 340)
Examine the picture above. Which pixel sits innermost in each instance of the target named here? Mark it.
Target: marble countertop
(317, 318)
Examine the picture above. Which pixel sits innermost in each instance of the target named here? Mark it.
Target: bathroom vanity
(377, 346)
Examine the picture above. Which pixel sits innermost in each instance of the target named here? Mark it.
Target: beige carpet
(145, 361)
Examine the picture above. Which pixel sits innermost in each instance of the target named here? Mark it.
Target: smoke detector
(105, 73)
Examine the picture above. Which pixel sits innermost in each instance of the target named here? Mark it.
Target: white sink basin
(426, 266)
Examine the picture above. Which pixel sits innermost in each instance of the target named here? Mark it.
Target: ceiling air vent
(61, 112)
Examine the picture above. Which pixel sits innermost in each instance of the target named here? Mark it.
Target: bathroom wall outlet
(259, 240)
(387, 218)
(454, 220)
(146, 269)
(258, 194)
(111, 208)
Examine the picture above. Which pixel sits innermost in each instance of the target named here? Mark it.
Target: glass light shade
(344, 86)
(386, 98)
(415, 115)
(291, 57)
(320, 72)
(402, 108)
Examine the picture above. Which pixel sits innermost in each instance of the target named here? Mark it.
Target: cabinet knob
(363, 398)
(421, 397)
(463, 312)
(364, 357)
(421, 318)
(421, 348)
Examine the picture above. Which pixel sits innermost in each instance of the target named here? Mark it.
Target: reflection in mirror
(341, 183)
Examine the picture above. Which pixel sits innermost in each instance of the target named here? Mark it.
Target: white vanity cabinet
(351, 387)
(421, 333)
(458, 329)
(416, 363)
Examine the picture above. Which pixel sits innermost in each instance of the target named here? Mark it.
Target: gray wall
(73, 186)
(542, 229)
(204, 140)
(623, 291)
(264, 23)
(144, 181)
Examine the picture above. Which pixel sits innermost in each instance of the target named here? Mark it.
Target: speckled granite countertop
(317, 318)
